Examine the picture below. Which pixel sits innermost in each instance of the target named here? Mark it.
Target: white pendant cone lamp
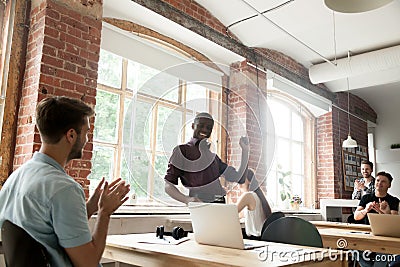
(355, 6)
(349, 142)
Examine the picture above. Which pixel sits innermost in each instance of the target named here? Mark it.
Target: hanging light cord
(348, 103)
(348, 92)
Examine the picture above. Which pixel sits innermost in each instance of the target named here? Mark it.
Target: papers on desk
(167, 240)
(359, 232)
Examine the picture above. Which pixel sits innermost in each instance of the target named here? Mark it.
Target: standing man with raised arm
(49, 204)
(199, 169)
(365, 185)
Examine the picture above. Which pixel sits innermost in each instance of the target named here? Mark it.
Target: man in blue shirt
(47, 203)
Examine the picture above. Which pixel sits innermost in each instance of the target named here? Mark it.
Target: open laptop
(384, 224)
(218, 225)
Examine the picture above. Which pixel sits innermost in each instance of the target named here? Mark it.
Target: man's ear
(192, 126)
(71, 135)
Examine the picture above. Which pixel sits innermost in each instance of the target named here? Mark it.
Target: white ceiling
(303, 30)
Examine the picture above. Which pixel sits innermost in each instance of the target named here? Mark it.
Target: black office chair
(20, 249)
(274, 216)
(293, 230)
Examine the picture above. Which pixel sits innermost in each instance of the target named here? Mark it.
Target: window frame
(309, 144)
(126, 93)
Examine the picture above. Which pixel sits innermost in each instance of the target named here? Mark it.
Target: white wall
(387, 132)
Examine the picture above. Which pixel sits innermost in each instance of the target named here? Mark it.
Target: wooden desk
(360, 240)
(341, 225)
(126, 249)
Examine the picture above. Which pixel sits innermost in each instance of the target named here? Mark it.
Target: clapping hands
(380, 207)
(359, 184)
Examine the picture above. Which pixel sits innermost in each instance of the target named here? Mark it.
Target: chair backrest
(20, 249)
(274, 216)
(293, 230)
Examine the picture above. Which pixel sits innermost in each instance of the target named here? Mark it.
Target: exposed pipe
(369, 62)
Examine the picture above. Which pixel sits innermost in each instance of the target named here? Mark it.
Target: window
(141, 115)
(294, 137)
(5, 46)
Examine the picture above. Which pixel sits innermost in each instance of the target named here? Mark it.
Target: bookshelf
(352, 158)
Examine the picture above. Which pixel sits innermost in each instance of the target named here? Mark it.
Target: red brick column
(62, 59)
(332, 129)
(245, 107)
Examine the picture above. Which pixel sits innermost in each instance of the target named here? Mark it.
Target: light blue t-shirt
(42, 199)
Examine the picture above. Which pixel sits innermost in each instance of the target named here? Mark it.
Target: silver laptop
(384, 224)
(218, 225)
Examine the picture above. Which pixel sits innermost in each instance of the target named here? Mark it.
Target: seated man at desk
(50, 205)
(199, 169)
(377, 202)
(365, 185)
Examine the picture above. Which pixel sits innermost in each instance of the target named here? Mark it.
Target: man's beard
(76, 151)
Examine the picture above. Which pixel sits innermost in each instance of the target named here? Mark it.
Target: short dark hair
(57, 114)
(386, 174)
(368, 162)
(203, 115)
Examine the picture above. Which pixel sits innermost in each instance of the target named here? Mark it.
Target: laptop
(384, 224)
(218, 225)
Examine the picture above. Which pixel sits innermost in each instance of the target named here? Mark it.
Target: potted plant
(285, 184)
(395, 146)
(295, 202)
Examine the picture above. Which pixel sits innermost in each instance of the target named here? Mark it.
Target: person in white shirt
(365, 185)
(254, 205)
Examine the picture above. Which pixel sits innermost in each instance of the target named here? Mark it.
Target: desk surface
(125, 248)
(341, 225)
(360, 240)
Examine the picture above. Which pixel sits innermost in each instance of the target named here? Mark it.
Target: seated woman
(254, 205)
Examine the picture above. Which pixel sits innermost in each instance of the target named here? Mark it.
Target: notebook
(384, 224)
(218, 225)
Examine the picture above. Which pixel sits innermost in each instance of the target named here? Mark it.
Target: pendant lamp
(349, 142)
(355, 6)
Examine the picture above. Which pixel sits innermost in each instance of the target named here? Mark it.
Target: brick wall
(62, 59)
(332, 129)
(245, 106)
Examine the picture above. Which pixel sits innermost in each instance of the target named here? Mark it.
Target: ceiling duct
(371, 62)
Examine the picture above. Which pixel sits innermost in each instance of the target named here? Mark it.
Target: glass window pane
(298, 186)
(137, 123)
(283, 154)
(135, 171)
(110, 69)
(297, 127)
(106, 121)
(160, 168)
(297, 158)
(152, 82)
(196, 97)
(188, 127)
(102, 165)
(168, 128)
(281, 116)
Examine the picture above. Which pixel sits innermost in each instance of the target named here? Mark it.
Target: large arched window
(141, 114)
(292, 172)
